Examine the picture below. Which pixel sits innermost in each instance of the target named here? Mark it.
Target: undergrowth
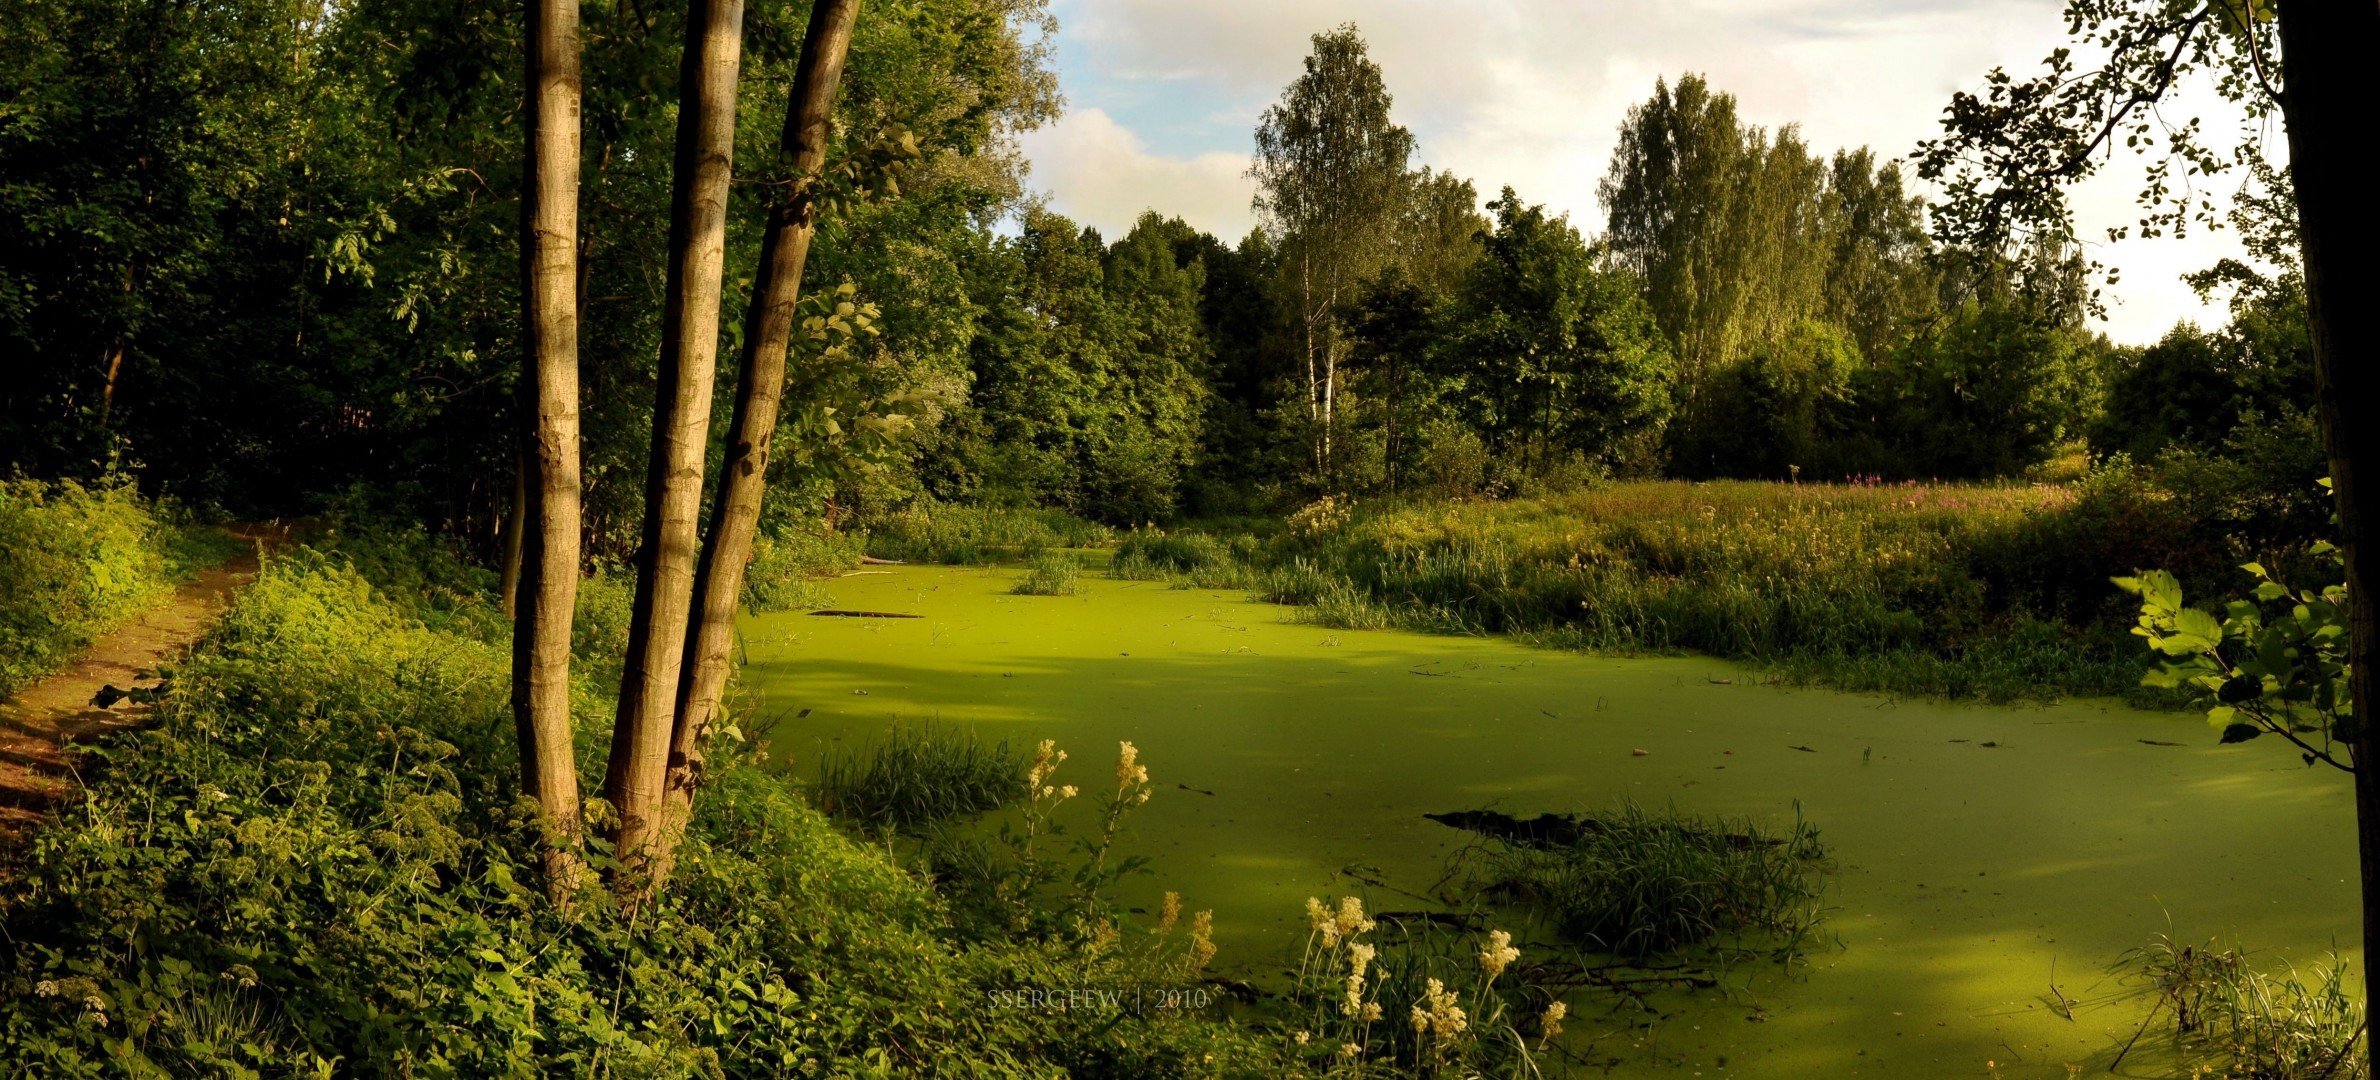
(315, 862)
(76, 562)
(1964, 590)
(974, 535)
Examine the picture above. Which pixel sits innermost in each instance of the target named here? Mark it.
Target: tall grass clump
(316, 861)
(973, 535)
(75, 562)
(1637, 883)
(1052, 573)
(918, 775)
(2229, 1019)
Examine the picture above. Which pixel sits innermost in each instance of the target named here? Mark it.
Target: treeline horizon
(321, 311)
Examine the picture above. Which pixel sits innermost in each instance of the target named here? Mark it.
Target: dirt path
(39, 725)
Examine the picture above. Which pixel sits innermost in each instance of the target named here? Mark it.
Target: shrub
(918, 775)
(2231, 1020)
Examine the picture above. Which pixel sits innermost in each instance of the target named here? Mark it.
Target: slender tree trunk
(549, 315)
(516, 521)
(681, 424)
(2326, 52)
(768, 333)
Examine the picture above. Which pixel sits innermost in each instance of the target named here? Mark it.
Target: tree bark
(2326, 50)
(549, 315)
(516, 521)
(681, 425)
(768, 335)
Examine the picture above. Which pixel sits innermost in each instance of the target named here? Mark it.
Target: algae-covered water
(1973, 847)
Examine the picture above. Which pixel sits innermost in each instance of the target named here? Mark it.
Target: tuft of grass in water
(1052, 574)
(2237, 1021)
(1638, 883)
(918, 775)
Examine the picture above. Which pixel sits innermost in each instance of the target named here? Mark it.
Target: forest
(711, 392)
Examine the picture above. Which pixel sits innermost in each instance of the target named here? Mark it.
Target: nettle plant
(2272, 664)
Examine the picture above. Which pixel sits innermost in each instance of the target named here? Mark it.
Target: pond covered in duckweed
(1974, 849)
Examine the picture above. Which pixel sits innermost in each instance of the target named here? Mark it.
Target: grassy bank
(76, 562)
(1991, 591)
(314, 862)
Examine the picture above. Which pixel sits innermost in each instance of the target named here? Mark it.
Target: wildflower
(1317, 916)
(1349, 1050)
(1421, 1020)
(1068, 792)
(1169, 912)
(1498, 954)
(1202, 939)
(1045, 761)
(1445, 1018)
(1128, 770)
(46, 988)
(1351, 921)
(1551, 1021)
(1303, 1037)
(1359, 957)
(1371, 1011)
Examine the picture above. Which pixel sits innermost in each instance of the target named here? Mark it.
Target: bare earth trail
(40, 725)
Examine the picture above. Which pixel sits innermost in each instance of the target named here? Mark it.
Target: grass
(2232, 1020)
(1637, 883)
(976, 535)
(1051, 574)
(788, 565)
(1991, 591)
(76, 562)
(918, 775)
(315, 861)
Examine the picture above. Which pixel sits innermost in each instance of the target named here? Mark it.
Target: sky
(1163, 98)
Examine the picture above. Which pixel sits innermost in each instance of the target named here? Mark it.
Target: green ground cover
(314, 863)
(78, 562)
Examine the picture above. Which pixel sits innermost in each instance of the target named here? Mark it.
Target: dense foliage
(79, 561)
(316, 857)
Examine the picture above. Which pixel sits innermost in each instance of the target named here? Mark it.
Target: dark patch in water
(1550, 832)
(840, 613)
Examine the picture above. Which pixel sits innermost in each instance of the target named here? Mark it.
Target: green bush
(74, 562)
(316, 862)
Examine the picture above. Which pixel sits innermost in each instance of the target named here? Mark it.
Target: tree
(549, 315)
(650, 676)
(768, 335)
(1330, 174)
(1555, 354)
(2007, 153)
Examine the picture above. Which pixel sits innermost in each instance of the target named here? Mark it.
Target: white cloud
(1531, 93)
(1101, 174)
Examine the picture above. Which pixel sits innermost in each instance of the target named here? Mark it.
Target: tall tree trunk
(681, 424)
(768, 332)
(516, 522)
(2326, 51)
(549, 315)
